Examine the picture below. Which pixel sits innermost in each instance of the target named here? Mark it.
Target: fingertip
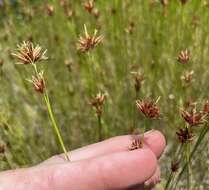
(155, 140)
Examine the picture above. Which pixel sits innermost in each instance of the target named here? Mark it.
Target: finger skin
(153, 140)
(150, 183)
(116, 171)
(111, 172)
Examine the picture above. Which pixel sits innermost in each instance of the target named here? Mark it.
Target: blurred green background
(139, 36)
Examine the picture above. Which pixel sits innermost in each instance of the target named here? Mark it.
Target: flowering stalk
(51, 115)
(29, 54)
(150, 111)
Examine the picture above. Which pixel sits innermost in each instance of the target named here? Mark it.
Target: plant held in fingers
(150, 110)
(26, 54)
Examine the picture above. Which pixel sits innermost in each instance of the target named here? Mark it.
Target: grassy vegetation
(139, 36)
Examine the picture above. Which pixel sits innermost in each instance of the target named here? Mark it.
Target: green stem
(54, 124)
(188, 168)
(52, 118)
(199, 140)
(100, 128)
(169, 181)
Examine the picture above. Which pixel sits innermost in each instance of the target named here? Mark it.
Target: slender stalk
(199, 140)
(188, 168)
(100, 128)
(172, 175)
(54, 124)
(52, 118)
(169, 181)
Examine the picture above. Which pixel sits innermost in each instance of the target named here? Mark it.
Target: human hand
(107, 165)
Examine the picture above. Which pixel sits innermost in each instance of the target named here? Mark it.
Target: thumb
(115, 171)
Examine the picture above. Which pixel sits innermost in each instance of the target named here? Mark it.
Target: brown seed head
(193, 117)
(38, 82)
(130, 28)
(96, 13)
(138, 78)
(88, 42)
(50, 9)
(184, 135)
(174, 166)
(136, 144)
(69, 64)
(184, 56)
(98, 103)
(28, 54)
(188, 76)
(148, 108)
(89, 5)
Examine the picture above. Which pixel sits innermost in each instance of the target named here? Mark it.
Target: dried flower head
(174, 166)
(69, 64)
(184, 135)
(188, 76)
(206, 108)
(98, 103)
(136, 144)
(88, 42)
(1, 62)
(96, 13)
(2, 148)
(184, 56)
(130, 28)
(148, 108)
(193, 117)
(89, 5)
(50, 9)
(28, 54)
(138, 78)
(38, 82)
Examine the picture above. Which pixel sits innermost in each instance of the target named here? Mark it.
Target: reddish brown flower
(139, 78)
(136, 144)
(98, 103)
(184, 135)
(148, 108)
(38, 82)
(88, 42)
(184, 56)
(188, 76)
(28, 54)
(96, 13)
(89, 5)
(130, 28)
(50, 9)
(193, 117)
(174, 166)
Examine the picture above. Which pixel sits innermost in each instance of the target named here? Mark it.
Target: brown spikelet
(184, 56)
(27, 53)
(148, 108)
(88, 42)
(184, 135)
